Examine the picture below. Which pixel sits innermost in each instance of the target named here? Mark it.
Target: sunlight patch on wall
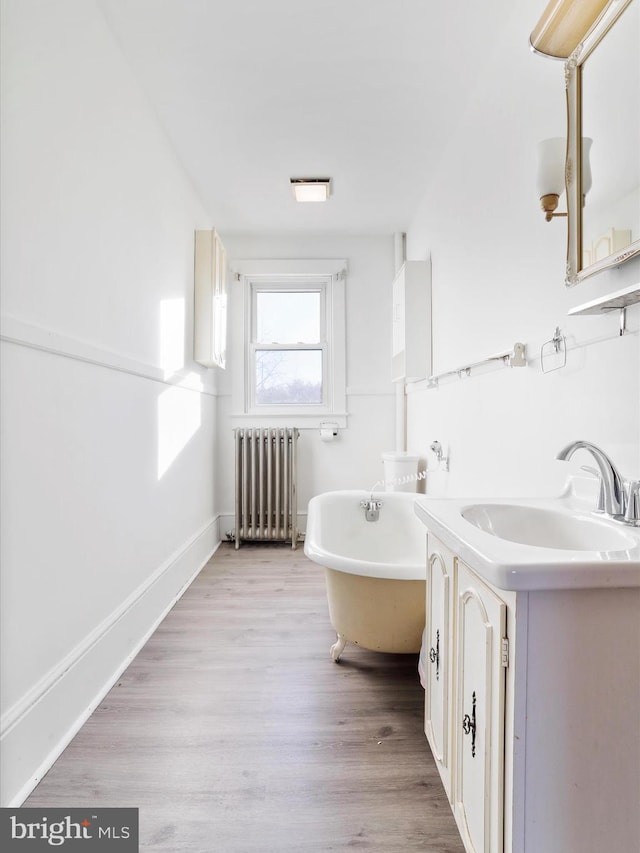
(179, 418)
(172, 320)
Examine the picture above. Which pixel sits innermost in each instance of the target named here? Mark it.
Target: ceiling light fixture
(311, 189)
(564, 24)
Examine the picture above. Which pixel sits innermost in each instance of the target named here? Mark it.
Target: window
(288, 350)
(294, 349)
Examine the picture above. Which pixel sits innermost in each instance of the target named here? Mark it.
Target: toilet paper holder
(328, 431)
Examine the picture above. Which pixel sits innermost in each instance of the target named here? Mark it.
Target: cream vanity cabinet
(464, 694)
(411, 322)
(478, 712)
(439, 645)
(532, 711)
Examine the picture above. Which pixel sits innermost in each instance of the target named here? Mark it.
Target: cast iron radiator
(266, 500)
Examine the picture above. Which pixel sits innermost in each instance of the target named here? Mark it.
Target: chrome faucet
(618, 498)
(632, 510)
(371, 508)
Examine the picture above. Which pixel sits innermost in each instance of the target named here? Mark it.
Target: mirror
(603, 145)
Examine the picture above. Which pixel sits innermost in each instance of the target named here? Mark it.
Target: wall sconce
(311, 189)
(564, 24)
(552, 156)
(551, 168)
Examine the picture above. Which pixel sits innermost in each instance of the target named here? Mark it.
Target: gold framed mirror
(602, 175)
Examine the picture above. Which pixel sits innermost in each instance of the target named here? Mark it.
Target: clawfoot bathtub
(375, 570)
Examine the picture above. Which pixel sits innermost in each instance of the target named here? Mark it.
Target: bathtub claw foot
(338, 647)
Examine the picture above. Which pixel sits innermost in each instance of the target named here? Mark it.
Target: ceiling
(253, 92)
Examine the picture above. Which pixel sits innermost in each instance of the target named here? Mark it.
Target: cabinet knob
(469, 724)
(434, 654)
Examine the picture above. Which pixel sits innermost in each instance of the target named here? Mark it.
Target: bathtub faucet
(371, 508)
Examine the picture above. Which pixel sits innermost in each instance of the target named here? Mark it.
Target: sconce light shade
(551, 171)
(563, 25)
(311, 189)
(551, 165)
(552, 155)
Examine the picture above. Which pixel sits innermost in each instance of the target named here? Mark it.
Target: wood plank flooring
(234, 732)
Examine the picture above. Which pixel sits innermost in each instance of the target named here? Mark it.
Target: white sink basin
(546, 528)
(538, 543)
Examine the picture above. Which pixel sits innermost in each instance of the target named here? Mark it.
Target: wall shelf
(617, 300)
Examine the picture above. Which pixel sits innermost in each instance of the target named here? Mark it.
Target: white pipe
(400, 256)
(401, 417)
(399, 249)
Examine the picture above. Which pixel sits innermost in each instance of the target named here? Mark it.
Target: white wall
(353, 460)
(112, 440)
(108, 427)
(498, 273)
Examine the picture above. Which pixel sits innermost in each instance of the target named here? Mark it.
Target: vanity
(532, 682)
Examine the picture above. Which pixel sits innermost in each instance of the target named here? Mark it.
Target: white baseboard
(39, 727)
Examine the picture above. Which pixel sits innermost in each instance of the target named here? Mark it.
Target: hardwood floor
(234, 732)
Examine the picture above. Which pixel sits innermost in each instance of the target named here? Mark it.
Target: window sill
(301, 421)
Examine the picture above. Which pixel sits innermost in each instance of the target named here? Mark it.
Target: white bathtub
(375, 570)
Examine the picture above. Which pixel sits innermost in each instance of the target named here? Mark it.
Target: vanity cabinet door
(438, 658)
(479, 714)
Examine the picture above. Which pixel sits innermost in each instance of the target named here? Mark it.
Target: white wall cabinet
(537, 740)
(210, 300)
(411, 322)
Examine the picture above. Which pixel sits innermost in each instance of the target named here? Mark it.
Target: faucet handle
(632, 502)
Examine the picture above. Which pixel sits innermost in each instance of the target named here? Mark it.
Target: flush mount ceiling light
(564, 24)
(311, 189)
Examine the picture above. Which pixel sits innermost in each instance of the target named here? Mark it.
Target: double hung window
(288, 350)
(294, 352)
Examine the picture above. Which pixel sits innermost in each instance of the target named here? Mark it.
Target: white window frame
(309, 284)
(328, 276)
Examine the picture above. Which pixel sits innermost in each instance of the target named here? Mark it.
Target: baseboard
(42, 724)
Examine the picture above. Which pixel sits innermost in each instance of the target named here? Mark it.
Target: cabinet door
(411, 324)
(219, 343)
(210, 300)
(479, 717)
(438, 676)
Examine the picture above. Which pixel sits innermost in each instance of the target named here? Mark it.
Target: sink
(546, 528)
(526, 544)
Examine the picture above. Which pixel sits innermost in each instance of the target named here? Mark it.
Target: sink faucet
(618, 498)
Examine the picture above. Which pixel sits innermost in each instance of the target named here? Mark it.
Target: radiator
(266, 500)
